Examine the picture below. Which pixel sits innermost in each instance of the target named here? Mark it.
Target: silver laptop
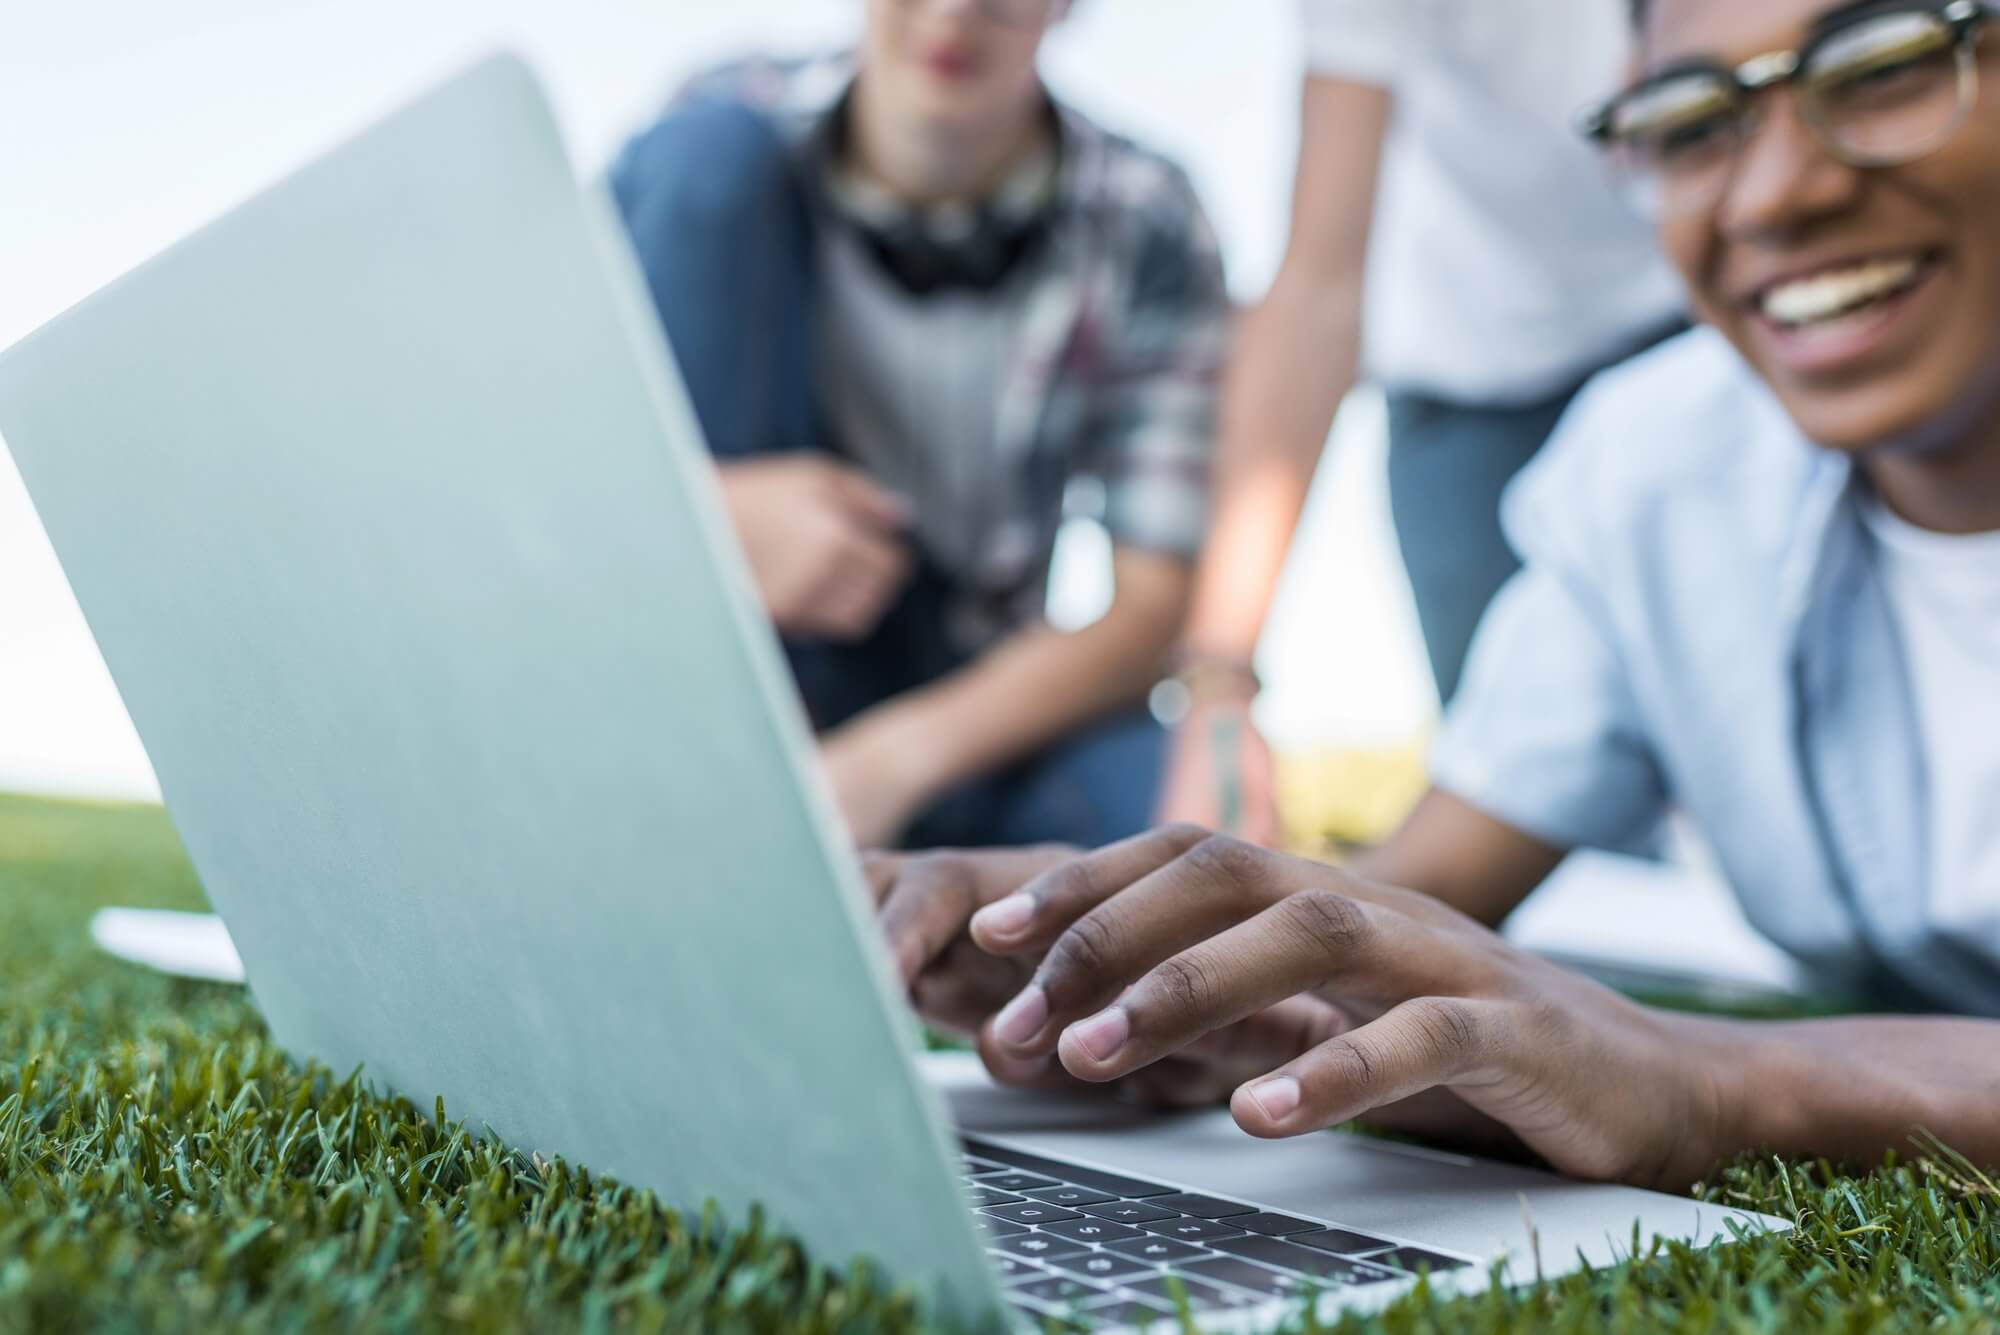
(389, 513)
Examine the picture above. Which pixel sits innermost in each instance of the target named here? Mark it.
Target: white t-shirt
(1504, 264)
(1945, 592)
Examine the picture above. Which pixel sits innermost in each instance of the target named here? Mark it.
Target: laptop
(389, 513)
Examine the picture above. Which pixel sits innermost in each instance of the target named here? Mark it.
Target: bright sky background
(130, 122)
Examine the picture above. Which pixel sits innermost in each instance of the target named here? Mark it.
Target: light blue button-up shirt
(1700, 623)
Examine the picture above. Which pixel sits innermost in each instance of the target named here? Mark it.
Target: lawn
(163, 1167)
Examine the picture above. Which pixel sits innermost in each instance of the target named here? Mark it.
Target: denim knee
(701, 171)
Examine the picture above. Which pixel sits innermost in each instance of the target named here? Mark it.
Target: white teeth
(1837, 291)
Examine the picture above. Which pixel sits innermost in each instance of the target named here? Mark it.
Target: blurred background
(133, 121)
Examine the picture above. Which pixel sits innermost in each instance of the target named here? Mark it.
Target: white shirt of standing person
(1504, 264)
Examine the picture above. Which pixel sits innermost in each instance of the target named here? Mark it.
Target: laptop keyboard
(1077, 1242)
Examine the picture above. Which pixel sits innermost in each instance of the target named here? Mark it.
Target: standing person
(913, 298)
(1451, 238)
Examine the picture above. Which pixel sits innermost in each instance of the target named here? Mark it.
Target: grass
(164, 1167)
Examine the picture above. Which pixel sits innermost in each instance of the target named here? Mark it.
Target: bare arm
(1451, 850)
(1854, 1088)
(1029, 690)
(1294, 361)
(1043, 683)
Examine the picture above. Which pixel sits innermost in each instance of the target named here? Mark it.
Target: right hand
(826, 544)
(926, 900)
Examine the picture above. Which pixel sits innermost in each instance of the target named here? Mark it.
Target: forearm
(1294, 362)
(1452, 851)
(1041, 684)
(1852, 1089)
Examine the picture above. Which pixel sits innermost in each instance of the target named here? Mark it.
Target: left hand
(1149, 945)
(878, 764)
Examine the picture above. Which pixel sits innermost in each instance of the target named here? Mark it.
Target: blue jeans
(723, 233)
(1448, 465)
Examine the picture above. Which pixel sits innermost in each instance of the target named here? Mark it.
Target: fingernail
(1278, 1098)
(1023, 1018)
(1007, 917)
(1103, 1033)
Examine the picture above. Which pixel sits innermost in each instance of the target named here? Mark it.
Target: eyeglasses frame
(1780, 68)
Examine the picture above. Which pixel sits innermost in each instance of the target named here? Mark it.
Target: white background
(129, 122)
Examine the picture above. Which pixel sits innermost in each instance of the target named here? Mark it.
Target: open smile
(1837, 314)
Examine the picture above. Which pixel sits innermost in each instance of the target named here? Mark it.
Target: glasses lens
(1675, 140)
(1889, 88)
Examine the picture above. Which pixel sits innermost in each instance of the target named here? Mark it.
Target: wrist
(1757, 1084)
(1202, 684)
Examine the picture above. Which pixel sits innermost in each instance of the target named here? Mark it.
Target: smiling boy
(1761, 581)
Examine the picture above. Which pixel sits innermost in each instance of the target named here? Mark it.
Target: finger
(1021, 1072)
(1294, 946)
(880, 869)
(1419, 1045)
(866, 557)
(1045, 906)
(1207, 1070)
(934, 895)
(1216, 884)
(927, 910)
(869, 501)
(965, 986)
(847, 611)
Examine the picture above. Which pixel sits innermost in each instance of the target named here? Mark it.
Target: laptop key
(1115, 1183)
(1414, 1259)
(1200, 1297)
(1128, 1311)
(1201, 1207)
(1030, 1212)
(1101, 1265)
(1156, 1249)
(986, 1226)
(1011, 1268)
(1340, 1241)
(1326, 1268)
(984, 1196)
(1060, 1289)
(1194, 1230)
(1072, 1196)
(1038, 1246)
(1277, 1225)
(1129, 1212)
(1013, 1181)
(1255, 1278)
(1092, 1230)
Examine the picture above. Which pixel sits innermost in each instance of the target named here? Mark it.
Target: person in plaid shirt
(920, 306)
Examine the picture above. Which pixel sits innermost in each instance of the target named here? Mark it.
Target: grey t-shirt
(910, 385)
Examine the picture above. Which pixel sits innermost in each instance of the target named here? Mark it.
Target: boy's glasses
(1880, 87)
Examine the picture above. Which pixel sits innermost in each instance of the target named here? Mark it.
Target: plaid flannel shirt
(1116, 373)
